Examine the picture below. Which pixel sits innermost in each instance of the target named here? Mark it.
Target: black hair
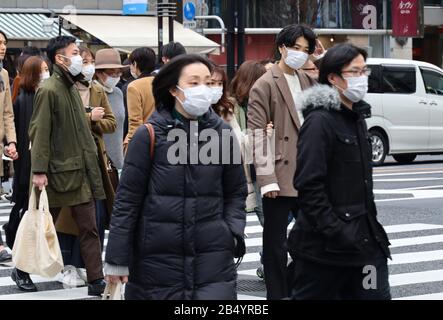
(168, 76)
(289, 35)
(145, 58)
(173, 49)
(4, 35)
(336, 58)
(31, 51)
(57, 43)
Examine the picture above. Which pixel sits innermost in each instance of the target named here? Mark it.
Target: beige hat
(108, 59)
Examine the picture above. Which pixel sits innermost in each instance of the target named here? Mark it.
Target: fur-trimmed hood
(320, 96)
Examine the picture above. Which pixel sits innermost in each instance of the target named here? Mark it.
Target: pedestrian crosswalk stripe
(411, 227)
(403, 242)
(7, 281)
(60, 294)
(405, 173)
(407, 278)
(247, 297)
(431, 296)
(414, 257)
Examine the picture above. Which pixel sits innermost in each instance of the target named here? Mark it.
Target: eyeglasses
(356, 73)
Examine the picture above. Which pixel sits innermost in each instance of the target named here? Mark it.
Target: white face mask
(111, 82)
(357, 88)
(88, 71)
(217, 93)
(295, 59)
(44, 76)
(134, 75)
(76, 65)
(197, 100)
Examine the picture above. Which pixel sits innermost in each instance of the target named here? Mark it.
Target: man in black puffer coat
(177, 226)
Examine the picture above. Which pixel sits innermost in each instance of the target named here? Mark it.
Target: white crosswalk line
(414, 257)
(403, 242)
(411, 227)
(431, 296)
(7, 281)
(62, 294)
(406, 173)
(247, 297)
(402, 279)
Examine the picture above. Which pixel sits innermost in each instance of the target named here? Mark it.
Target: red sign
(364, 14)
(405, 18)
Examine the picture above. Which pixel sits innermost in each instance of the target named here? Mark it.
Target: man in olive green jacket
(64, 156)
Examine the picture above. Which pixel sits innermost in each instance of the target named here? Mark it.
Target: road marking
(7, 281)
(247, 297)
(414, 257)
(376, 170)
(403, 279)
(61, 294)
(413, 241)
(405, 173)
(431, 296)
(407, 180)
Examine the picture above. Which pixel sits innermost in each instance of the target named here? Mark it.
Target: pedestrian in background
(337, 235)
(140, 101)
(63, 153)
(33, 73)
(101, 120)
(168, 52)
(273, 99)
(7, 127)
(176, 228)
(108, 70)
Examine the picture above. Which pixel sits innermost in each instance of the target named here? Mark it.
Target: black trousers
(315, 281)
(275, 252)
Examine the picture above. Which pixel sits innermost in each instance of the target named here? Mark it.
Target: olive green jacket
(62, 145)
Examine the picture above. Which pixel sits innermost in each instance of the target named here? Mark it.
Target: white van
(407, 109)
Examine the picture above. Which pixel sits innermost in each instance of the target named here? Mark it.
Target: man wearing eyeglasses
(339, 247)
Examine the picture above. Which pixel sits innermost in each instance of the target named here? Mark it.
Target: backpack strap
(151, 133)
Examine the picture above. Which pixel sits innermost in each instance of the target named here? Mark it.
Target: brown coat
(108, 124)
(270, 99)
(141, 104)
(7, 127)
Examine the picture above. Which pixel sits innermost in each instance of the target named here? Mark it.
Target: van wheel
(404, 158)
(379, 147)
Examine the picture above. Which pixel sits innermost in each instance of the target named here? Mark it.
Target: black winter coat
(174, 225)
(23, 108)
(337, 224)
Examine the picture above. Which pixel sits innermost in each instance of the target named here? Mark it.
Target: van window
(398, 79)
(433, 81)
(374, 80)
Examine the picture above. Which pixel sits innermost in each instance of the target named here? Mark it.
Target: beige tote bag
(113, 291)
(36, 248)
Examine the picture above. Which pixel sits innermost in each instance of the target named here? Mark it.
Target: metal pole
(171, 25)
(241, 32)
(222, 25)
(230, 41)
(60, 21)
(160, 37)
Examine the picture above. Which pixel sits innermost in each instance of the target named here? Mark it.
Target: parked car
(407, 109)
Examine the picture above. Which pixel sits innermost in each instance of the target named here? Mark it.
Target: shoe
(82, 274)
(5, 256)
(96, 288)
(23, 281)
(71, 278)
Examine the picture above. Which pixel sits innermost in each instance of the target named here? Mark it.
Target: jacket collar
(325, 97)
(68, 79)
(168, 119)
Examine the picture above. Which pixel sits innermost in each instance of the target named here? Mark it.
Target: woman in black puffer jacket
(176, 227)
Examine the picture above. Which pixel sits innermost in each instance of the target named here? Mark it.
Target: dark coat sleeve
(129, 199)
(235, 192)
(314, 153)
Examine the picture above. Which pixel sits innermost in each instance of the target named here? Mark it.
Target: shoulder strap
(151, 133)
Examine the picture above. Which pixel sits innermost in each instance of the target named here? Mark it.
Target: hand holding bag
(113, 291)
(36, 248)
